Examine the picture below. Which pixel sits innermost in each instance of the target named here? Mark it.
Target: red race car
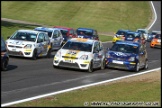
(67, 32)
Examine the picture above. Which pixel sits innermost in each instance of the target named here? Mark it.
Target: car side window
(96, 47)
(40, 38)
(46, 37)
(56, 34)
(71, 32)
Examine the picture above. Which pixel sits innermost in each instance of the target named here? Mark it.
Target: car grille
(69, 65)
(14, 46)
(122, 59)
(69, 57)
(15, 53)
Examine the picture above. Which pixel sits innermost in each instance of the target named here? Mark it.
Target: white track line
(79, 87)
(75, 88)
(154, 11)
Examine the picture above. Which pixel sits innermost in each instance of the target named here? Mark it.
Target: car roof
(46, 28)
(124, 30)
(62, 27)
(81, 28)
(132, 32)
(31, 31)
(156, 31)
(83, 40)
(128, 42)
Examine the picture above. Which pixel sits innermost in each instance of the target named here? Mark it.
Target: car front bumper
(120, 64)
(71, 63)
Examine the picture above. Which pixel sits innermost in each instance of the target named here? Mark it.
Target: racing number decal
(71, 55)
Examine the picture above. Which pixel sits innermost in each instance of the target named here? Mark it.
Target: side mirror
(95, 51)
(8, 37)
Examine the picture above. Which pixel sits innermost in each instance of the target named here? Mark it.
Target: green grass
(137, 91)
(9, 28)
(105, 16)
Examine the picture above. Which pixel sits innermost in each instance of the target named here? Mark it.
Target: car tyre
(5, 65)
(146, 64)
(90, 68)
(49, 53)
(103, 64)
(137, 67)
(34, 55)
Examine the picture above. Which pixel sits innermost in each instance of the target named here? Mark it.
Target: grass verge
(143, 90)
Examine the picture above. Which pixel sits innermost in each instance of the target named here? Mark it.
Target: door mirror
(8, 37)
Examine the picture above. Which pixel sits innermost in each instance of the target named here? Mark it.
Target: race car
(145, 32)
(4, 56)
(127, 55)
(67, 33)
(156, 41)
(135, 37)
(119, 35)
(80, 53)
(89, 33)
(152, 35)
(29, 43)
(55, 36)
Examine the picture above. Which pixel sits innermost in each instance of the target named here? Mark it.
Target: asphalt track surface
(27, 78)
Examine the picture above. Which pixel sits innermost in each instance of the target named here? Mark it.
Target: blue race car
(127, 55)
(87, 33)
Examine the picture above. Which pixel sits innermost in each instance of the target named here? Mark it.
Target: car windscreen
(142, 31)
(64, 32)
(120, 32)
(78, 46)
(85, 32)
(26, 36)
(125, 48)
(158, 36)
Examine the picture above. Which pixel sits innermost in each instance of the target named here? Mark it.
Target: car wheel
(90, 68)
(34, 55)
(137, 67)
(49, 53)
(146, 64)
(5, 65)
(103, 64)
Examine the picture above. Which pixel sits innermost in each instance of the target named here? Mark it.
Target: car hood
(115, 54)
(18, 42)
(74, 53)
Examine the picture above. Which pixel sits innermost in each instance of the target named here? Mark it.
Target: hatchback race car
(135, 37)
(29, 43)
(119, 35)
(127, 55)
(156, 41)
(152, 35)
(145, 32)
(67, 32)
(55, 36)
(87, 33)
(80, 53)
(4, 56)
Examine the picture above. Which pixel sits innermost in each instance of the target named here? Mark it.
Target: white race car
(80, 53)
(55, 36)
(29, 43)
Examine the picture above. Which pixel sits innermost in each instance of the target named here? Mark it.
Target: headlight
(108, 55)
(28, 46)
(131, 59)
(84, 57)
(58, 54)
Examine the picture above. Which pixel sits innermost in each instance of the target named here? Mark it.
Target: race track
(27, 78)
